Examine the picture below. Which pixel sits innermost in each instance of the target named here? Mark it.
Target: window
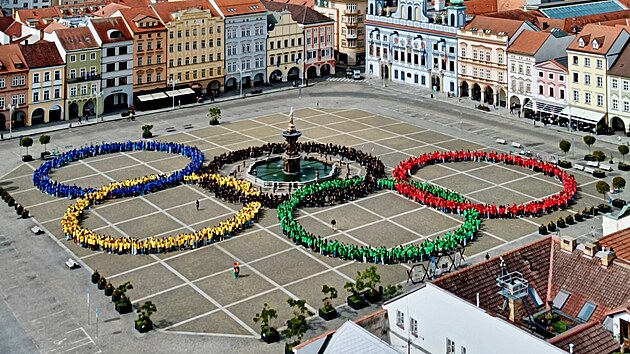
(82, 57)
(540, 74)
(73, 91)
(139, 79)
(1, 101)
(463, 350)
(575, 60)
(576, 78)
(413, 323)
(561, 94)
(600, 100)
(122, 50)
(600, 81)
(561, 78)
(615, 84)
(587, 79)
(599, 63)
(586, 311)
(73, 58)
(541, 90)
(46, 76)
(111, 52)
(450, 346)
(22, 98)
(587, 98)
(2, 83)
(533, 295)
(551, 92)
(625, 85)
(615, 104)
(475, 54)
(576, 96)
(35, 78)
(400, 317)
(46, 95)
(587, 62)
(550, 76)
(463, 50)
(57, 93)
(500, 58)
(500, 77)
(626, 106)
(140, 46)
(35, 96)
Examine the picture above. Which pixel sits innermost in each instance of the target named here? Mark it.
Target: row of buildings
(143, 54)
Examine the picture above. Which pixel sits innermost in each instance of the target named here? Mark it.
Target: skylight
(587, 311)
(560, 299)
(533, 295)
(582, 9)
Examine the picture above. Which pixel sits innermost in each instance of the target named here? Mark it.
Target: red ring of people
(533, 208)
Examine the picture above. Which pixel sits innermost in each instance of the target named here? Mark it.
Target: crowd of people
(549, 204)
(84, 237)
(329, 192)
(44, 183)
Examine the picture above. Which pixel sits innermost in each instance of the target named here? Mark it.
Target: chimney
(515, 307)
(607, 257)
(590, 248)
(571, 348)
(568, 244)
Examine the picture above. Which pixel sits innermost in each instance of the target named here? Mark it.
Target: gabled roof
(38, 18)
(557, 63)
(54, 27)
(105, 27)
(495, 25)
(604, 36)
(5, 22)
(78, 38)
(620, 241)
(14, 30)
(41, 54)
(351, 338)
(231, 8)
(308, 3)
(133, 16)
(12, 59)
(109, 9)
(165, 10)
(301, 14)
(587, 338)
(528, 42)
(481, 7)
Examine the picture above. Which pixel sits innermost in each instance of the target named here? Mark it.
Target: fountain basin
(269, 171)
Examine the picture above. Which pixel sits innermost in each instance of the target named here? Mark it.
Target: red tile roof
(528, 42)
(619, 241)
(12, 59)
(5, 22)
(480, 7)
(301, 14)
(76, 38)
(495, 25)
(54, 27)
(38, 18)
(605, 36)
(133, 15)
(14, 30)
(587, 338)
(239, 7)
(308, 3)
(103, 26)
(109, 9)
(165, 10)
(41, 54)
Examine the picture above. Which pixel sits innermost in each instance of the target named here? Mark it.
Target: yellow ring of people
(71, 221)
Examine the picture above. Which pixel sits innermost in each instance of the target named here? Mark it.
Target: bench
(37, 230)
(605, 167)
(589, 170)
(72, 264)
(501, 141)
(188, 126)
(516, 145)
(592, 163)
(170, 129)
(578, 167)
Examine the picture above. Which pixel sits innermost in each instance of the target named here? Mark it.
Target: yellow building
(590, 56)
(195, 44)
(349, 37)
(285, 46)
(46, 82)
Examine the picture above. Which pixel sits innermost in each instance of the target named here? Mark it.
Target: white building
(619, 92)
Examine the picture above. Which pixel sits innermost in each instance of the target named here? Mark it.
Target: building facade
(550, 91)
(82, 55)
(590, 55)
(46, 83)
(195, 38)
(483, 44)
(319, 50)
(13, 88)
(116, 44)
(618, 92)
(285, 43)
(349, 31)
(414, 44)
(245, 40)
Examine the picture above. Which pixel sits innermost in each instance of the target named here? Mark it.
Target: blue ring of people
(44, 183)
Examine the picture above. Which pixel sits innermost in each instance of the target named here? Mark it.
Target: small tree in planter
(392, 291)
(602, 188)
(19, 209)
(25, 214)
(44, 140)
(95, 277)
(328, 312)
(26, 142)
(296, 326)
(599, 155)
(618, 184)
(355, 300)
(623, 150)
(569, 220)
(589, 140)
(560, 222)
(370, 279)
(542, 229)
(143, 324)
(565, 146)
(551, 226)
(120, 298)
(267, 333)
(214, 116)
(579, 217)
(146, 131)
(109, 289)
(102, 283)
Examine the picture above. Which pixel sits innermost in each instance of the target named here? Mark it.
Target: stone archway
(73, 111)
(275, 77)
(213, 88)
(618, 124)
(293, 74)
(311, 72)
(464, 90)
(231, 84)
(476, 92)
(55, 113)
(436, 83)
(115, 102)
(515, 102)
(3, 122)
(19, 119)
(259, 80)
(38, 116)
(88, 108)
(385, 71)
(488, 94)
(325, 70)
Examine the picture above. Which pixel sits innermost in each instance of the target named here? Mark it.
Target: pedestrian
(317, 104)
(512, 109)
(80, 120)
(519, 113)
(197, 204)
(333, 224)
(237, 270)
(619, 138)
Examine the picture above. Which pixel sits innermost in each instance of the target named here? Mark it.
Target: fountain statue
(291, 157)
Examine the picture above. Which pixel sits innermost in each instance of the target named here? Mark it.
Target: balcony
(351, 36)
(89, 77)
(351, 24)
(351, 12)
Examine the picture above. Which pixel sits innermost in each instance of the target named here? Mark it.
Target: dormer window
(581, 43)
(595, 44)
(231, 9)
(114, 34)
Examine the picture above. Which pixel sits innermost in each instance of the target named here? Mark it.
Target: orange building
(13, 87)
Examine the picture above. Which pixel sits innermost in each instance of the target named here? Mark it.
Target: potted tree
(602, 188)
(25, 213)
(44, 140)
(561, 223)
(146, 131)
(95, 277)
(143, 323)
(267, 333)
(19, 209)
(102, 283)
(569, 220)
(296, 325)
(623, 150)
(214, 116)
(26, 142)
(109, 289)
(328, 312)
(565, 146)
(542, 229)
(618, 184)
(392, 291)
(370, 279)
(355, 300)
(551, 226)
(122, 304)
(589, 140)
(579, 217)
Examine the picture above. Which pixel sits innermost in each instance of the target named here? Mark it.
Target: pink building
(550, 89)
(319, 44)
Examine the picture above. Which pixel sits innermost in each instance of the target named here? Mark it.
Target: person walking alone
(236, 271)
(333, 224)
(197, 204)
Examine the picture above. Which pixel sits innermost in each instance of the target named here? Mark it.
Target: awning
(542, 106)
(159, 95)
(173, 93)
(145, 98)
(186, 91)
(583, 115)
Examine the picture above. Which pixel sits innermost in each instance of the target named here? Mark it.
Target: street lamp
(96, 95)
(173, 81)
(240, 84)
(303, 62)
(11, 108)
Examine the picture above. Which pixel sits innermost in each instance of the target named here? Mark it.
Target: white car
(356, 74)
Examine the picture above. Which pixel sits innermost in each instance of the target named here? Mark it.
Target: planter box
(328, 315)
(44, 154)
(27, 158)
(565, 164)
(618, 203)
(356, 304)
(599, 174)
(115, 297)
(123, 307)
(108, 291)
(95, 278)
(372, 296)
(604, 208)
(144, 327)
(542, 231)
(147, 135)
(579, 217)
(270, 337)
(623, 167)
(589, 157)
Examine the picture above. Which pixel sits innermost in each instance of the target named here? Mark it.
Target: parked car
(356, 74)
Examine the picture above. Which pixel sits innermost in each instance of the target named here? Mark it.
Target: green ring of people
(410, 253)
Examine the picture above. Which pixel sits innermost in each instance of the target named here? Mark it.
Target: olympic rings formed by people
(72, 229)
(416, 192)
(359, 187)
(42, 181)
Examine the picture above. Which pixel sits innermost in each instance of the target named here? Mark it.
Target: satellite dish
(270, 26)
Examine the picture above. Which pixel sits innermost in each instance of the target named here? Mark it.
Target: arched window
(409, 13)
(371, 9)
